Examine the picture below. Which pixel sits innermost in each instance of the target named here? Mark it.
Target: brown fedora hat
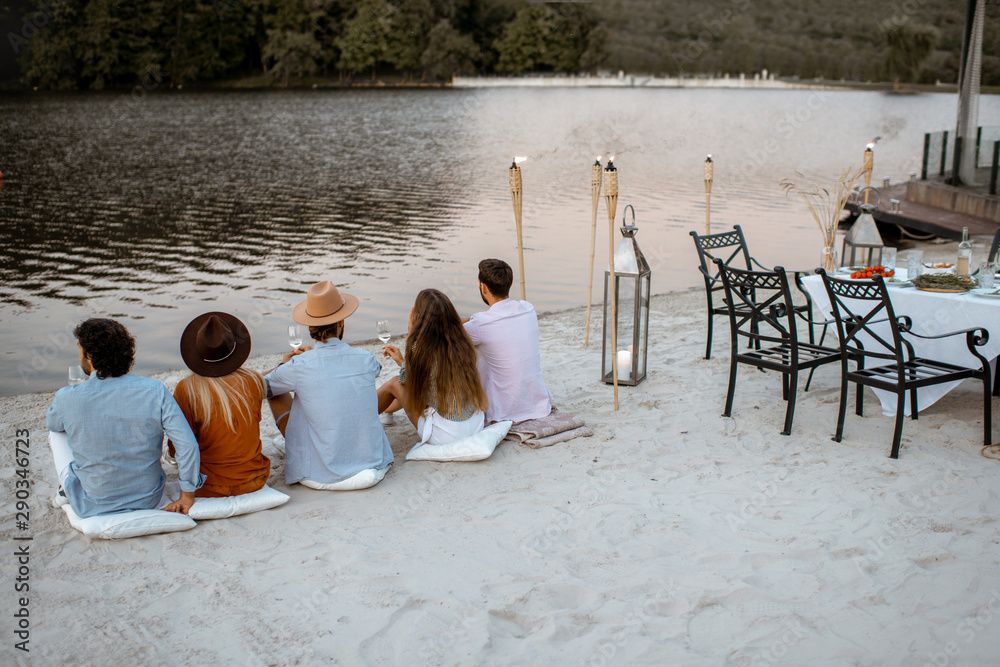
(215, 344)
(324, 304)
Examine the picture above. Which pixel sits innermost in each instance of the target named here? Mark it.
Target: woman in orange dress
(222, 403)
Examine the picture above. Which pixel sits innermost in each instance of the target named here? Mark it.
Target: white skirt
(436, 430)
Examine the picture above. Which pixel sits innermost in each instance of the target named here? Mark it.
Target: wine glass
(383, 331)
(76, 374)
(295, 336)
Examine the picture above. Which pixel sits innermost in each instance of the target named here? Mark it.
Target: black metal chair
(731, 247)
(994, 247)
(855, 305)
(762, 316)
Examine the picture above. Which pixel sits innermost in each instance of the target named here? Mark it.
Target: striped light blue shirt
(333, 432)
(115, 429)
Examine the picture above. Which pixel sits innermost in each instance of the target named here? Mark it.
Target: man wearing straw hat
(506, 340)
(331, 426)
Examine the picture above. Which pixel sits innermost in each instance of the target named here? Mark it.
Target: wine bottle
(964, 255)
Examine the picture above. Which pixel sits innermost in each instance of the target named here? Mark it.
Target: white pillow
(133, 523)
(222, 508)
(473, 448)
(363, 480)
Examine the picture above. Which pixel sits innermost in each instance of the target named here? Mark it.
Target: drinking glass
(384, 333)
(889, 258)
(914, 264)
(828, 260)
(295, 336)
(987, 277)
(76, 374)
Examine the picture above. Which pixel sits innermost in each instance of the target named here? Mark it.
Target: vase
(828, 260)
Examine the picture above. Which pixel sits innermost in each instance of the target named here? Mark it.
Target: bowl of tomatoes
(869, 271)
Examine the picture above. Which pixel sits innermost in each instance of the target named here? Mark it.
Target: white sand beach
(672, 536)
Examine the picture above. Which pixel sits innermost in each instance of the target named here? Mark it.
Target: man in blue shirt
(107, 433)
(332, 431)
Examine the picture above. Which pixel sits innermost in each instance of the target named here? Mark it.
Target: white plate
(989, 293)
(902, 283)
(848, 270)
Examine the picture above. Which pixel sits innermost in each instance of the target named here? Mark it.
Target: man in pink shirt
(506, 340)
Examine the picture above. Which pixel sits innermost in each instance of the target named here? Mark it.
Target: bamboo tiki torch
(595, 196)
(709, 172)
(515, 198)
(868, 164)
(611, 202)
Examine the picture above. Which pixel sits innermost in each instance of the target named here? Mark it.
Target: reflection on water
(156, 209)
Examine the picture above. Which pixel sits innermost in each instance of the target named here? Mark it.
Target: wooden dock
(920, 219)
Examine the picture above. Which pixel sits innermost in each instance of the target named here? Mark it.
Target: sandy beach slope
(673, 536)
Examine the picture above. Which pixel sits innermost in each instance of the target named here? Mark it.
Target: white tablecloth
(932, 313)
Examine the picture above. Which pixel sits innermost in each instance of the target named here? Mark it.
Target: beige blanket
(548, 430)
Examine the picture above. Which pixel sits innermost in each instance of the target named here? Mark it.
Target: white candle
(624, 364)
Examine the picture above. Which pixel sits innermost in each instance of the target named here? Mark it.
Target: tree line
(98, 44)
(101, 44)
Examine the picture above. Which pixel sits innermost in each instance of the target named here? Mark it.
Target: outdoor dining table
(932, 313)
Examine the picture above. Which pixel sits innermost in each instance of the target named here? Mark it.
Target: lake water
(156, 208)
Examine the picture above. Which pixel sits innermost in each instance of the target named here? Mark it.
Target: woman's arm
(393, 351)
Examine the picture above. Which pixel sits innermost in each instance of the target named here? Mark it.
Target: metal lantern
(631, 285)
(863, 234)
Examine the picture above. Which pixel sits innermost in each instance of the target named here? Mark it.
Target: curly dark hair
(497, 275)
(109, 345)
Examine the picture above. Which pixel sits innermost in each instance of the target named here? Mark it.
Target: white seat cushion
(363, 480)
(227, 506)
(134, 523)
(472, 448)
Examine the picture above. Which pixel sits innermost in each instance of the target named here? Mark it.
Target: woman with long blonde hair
(222, 403)
(438, 384)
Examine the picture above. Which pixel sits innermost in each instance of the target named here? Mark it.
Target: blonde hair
(205, 391)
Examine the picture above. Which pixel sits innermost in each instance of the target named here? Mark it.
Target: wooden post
(709, 174)
(595, 196)
(515, 197)
(868, 164)
(927, 152)
(611, 202)
(993, 169)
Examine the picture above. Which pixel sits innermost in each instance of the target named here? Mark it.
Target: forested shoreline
(108, 44)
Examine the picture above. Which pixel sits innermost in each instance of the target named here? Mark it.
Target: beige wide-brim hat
(324, 304)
